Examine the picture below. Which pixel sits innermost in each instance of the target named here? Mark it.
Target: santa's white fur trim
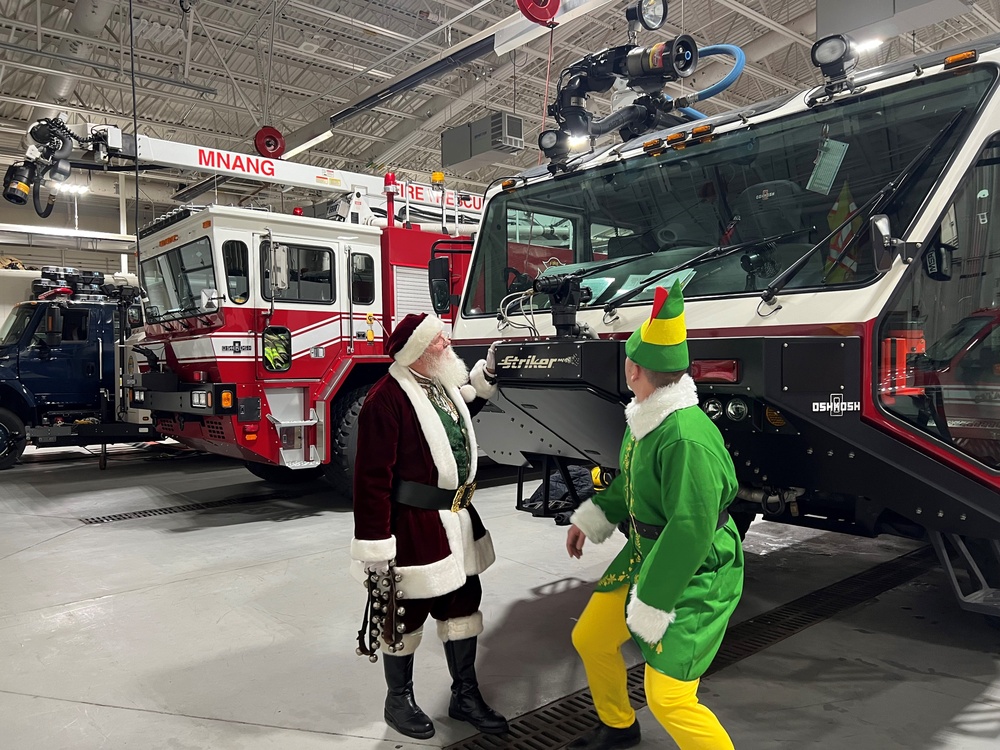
(410, 643)
(649, 623)
(433, 430)
(469, 557)
(477, 379)
(590, 519)
(373, 550)
(419, 340)
(645, 416)
(460, 628)
(468, 393)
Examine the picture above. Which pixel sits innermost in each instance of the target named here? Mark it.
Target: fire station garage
(500, 375)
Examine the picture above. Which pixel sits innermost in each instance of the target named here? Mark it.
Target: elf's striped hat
(660, 343)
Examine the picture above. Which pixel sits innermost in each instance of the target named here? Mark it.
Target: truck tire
(344, 441)
(282, 474)
(12, 438)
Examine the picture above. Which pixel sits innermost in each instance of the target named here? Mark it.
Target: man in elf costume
(414, 478)
(678, 579)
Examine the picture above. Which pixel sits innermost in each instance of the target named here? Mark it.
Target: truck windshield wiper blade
(720, 251)
(873, 205)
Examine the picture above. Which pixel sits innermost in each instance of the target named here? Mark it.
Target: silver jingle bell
(400, 611)
(392, 648)
(376, 605)
(400, 628)
(386, 582)
(399, 594)
(367, 583)
(373, 658)
(398, 577)
(358, 651)
(374, 632)
(373, 578)
(398, 645)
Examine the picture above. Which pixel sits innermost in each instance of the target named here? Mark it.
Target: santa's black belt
(429, 497)
(652, 531)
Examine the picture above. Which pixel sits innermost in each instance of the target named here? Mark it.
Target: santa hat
(660, 343)
(412, 336)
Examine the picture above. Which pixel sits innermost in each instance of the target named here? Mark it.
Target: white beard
(448, 369)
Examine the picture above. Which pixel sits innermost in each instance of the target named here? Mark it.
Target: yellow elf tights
(598, 638)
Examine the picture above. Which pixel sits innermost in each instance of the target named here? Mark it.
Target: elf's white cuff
(649, 623)
(590, 519)
(373, 550)
(477, 378)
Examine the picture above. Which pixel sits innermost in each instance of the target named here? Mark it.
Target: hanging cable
(548, 73)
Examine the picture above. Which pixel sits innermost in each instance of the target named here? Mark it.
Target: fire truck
(829, 243)
(271, 325)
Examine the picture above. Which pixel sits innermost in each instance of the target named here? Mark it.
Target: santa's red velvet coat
(401, 437)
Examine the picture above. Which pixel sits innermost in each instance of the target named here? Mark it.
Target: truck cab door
(65, 375)
(363, 295)
(299, 319)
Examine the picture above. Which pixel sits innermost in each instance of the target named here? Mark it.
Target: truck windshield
(175, 280)
(806, 171)
(13, 328)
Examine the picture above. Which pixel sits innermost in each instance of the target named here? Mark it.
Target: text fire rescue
(259, 166)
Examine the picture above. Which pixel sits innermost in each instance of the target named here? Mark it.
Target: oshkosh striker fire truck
(838, 250)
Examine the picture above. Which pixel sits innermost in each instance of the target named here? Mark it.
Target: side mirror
(209, 300)
(937, 261)
(279, 267)
(53, 326)
(439, 278)
(884, 247)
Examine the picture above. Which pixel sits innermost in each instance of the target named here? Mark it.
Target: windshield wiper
(720, 251)
(876, 204)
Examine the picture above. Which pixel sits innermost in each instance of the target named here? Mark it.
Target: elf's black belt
(652, 531)
(429, 497)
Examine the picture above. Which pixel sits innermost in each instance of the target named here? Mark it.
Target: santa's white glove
(491, 363)
(380, 566)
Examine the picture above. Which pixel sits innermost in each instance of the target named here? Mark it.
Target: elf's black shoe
(401, 710)
(609, 738)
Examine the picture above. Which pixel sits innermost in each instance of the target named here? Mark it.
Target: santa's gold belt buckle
(463, 496)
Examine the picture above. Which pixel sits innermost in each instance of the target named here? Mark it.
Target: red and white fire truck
(271, 325)
(273, 328)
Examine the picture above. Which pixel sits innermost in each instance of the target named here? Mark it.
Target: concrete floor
(234, 628)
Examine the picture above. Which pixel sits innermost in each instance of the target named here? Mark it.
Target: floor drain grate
(557, 724)
(175, 509)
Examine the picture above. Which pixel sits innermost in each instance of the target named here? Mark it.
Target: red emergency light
(297, 211)
(715, 370)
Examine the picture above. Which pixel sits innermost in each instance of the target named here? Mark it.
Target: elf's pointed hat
(660, 343)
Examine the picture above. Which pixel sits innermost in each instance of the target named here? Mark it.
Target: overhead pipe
(89, 19)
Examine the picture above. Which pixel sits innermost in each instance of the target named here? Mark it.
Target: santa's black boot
(401, 711)
(467, 702)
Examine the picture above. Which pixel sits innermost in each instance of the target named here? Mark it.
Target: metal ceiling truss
(217, 73)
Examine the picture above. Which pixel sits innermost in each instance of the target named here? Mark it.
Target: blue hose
(722, 49)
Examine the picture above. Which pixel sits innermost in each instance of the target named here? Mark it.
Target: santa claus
(414, 479)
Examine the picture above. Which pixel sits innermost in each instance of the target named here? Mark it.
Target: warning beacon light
(298, 211)
(836, 57)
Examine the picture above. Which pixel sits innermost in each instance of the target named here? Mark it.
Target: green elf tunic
(675, 473)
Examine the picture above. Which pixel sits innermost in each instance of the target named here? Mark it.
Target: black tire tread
(14, 424)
